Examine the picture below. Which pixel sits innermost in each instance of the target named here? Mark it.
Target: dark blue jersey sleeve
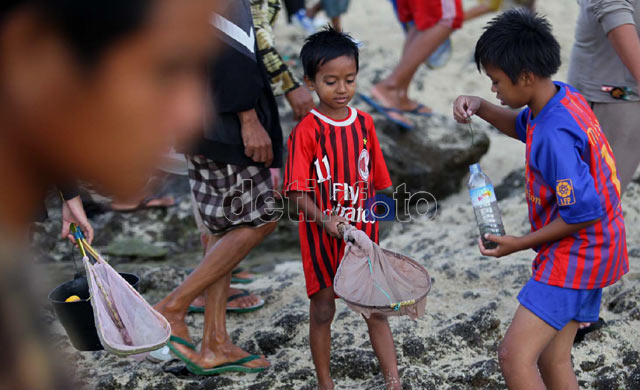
(521, 124)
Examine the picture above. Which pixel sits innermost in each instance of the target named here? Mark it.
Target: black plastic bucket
(77, 317)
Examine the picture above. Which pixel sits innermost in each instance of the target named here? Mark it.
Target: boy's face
(335, 82)
(513, 95)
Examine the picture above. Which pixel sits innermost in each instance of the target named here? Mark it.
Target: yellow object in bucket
(73, 298)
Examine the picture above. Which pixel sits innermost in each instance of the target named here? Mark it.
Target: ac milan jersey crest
(363, 165)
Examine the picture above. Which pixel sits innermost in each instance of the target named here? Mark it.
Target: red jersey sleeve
(301, 147)
(381, 178)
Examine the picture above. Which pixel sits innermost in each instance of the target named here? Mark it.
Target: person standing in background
(606, 59)
(333, 8)
(432, 22)
(297, 14)
(606, 53)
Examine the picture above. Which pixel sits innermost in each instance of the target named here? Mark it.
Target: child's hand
(465, 107)
(506, 245)
(331, 225)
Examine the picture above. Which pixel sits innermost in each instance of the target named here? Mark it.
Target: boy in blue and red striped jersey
(573, 195)
(334, 167)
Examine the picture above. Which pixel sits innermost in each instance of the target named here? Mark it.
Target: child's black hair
(324, 46)
(519, 41)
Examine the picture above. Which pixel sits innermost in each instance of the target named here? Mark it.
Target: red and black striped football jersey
(340, 164)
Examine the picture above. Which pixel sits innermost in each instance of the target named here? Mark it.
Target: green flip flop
(244, 293)
(178, 340)
(238, 280)
(237, 366)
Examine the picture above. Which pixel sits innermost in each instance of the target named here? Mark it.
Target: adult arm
(257, 143)
(626, 43)
(616, 17)
(281, 78)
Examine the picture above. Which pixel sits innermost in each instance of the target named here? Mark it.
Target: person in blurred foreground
(94, 91)
(333, 154)
(573, 194)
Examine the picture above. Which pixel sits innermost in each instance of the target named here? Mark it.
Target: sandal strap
(243, 361)
(182, 341)
(244, 293)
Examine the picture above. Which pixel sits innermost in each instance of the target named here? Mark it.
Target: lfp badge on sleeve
(564, 192)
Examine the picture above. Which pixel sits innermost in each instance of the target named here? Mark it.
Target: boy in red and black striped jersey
(573, 196)
(335, 165)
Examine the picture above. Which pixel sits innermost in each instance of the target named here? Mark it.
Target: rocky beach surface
(473, 298)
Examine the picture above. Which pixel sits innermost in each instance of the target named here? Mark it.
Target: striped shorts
(230, 196)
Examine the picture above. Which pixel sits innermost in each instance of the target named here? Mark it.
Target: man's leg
(520, 349)
(217, 347)
(221, 258)
(321, 312)
(382, 342)
(555, 361)
(242, 302)
(393, 91)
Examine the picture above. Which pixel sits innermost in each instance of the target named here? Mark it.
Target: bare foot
(238, 303)
(178, 328)
(326, 385)
(394, 384)
(242, 302)
(387, 99)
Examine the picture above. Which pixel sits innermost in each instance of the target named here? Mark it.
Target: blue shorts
(557, 306)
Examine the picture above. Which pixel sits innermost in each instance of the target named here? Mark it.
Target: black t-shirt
(238, 82)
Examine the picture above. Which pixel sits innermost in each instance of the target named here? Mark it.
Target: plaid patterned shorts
(230, 196)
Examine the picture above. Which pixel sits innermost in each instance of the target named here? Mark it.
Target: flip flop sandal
(591, 328)
(244, 293)
(178, 340)
(416, 111)
(384, 111)
(237, 366)
(238, 280)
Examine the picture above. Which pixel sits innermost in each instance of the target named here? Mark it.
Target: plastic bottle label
(483, 196)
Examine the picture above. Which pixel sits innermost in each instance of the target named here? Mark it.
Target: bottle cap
(475, 168)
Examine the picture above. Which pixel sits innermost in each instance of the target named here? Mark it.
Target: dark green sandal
(177, 353)
(237, 366)
(238, 280)
(244, 293)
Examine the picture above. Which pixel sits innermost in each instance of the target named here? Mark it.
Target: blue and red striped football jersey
(340, 164)
(571, 173)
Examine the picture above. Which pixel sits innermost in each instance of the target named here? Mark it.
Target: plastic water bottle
(485, 205)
